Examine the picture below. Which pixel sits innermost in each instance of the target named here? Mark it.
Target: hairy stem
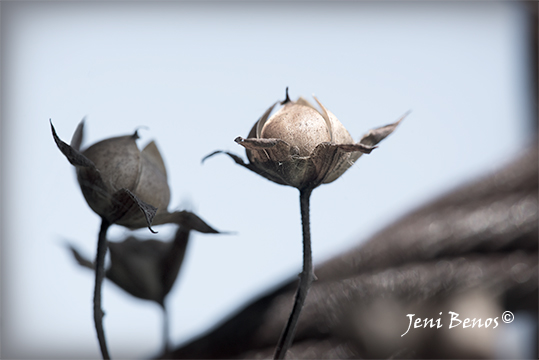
(99, 276)
(305, 280)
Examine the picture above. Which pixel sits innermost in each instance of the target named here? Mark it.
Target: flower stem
(305, 280)
(166, 330)
(99, 275)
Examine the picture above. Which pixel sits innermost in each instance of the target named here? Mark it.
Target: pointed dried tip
(72, 155)
(54, 135)
(403, 116)
(260, 123)
(210, 155)
(148, 211)
(374, 136)
(396, 123)
(194, 222)
(287, 99)
(369, 150)
(302, 101)
(124, 199)
(236, 158)
(227, 233)
(81, 260)
(325, 115)
(144, 127)
(135, 135)
(78, 135)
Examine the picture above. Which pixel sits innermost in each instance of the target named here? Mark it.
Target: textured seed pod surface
(118, 161)
(300, 126)
(122, 165)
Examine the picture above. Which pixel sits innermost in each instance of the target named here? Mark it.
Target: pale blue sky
(200, 74)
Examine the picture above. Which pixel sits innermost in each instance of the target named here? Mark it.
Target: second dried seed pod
(124, 185)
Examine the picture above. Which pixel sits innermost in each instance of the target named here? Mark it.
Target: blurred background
(196, 75)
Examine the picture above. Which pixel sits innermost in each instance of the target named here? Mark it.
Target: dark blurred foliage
(472, 251)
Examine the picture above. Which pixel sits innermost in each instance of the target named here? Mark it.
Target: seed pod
(124, 185)
(302, 146)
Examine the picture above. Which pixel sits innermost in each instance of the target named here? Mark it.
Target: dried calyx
(302, 146)
(124, 185)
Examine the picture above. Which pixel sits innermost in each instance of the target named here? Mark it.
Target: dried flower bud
(302, 146)
(146, 269)
(124, 185)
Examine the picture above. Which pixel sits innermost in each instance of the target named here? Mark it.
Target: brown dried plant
(302, 147)
(124, 186)
(145, 268)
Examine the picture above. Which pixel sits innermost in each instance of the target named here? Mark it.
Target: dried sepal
(370, 139)
(127, 205)
(259, 144)
(186, 219)
(238, 160)
(257, 128)
(374, 136)
(78, 136)
(73, 155)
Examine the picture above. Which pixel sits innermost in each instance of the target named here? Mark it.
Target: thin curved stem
(99, 276)
(305, 280)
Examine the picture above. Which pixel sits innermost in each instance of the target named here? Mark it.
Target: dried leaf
(135, 266)
(146, 269)
(81, 260)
